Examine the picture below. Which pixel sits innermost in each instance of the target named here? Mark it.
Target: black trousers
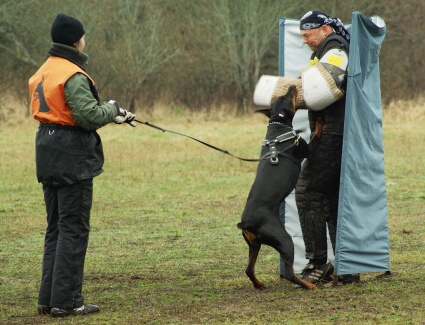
(317, 195)
(65, 245)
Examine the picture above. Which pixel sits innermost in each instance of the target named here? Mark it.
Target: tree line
(194, 54)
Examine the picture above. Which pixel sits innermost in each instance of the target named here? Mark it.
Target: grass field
(164, 247)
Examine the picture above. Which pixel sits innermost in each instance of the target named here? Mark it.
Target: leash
(272, 155)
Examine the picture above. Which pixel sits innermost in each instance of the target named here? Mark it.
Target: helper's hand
(125, 117)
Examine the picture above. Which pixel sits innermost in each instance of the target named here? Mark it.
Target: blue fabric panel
(362, 232)
(293, 53)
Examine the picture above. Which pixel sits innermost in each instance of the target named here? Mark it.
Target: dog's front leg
(318, 128)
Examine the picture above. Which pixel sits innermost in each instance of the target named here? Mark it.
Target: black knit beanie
(66, 30)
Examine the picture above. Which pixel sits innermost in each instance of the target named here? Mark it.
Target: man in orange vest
(69, 154)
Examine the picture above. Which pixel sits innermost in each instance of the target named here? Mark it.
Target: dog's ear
(265, 111)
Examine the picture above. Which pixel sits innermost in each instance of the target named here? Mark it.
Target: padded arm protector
(269, 88)
(318, 87)
(322, 82)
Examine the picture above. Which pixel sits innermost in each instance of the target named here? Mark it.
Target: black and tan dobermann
(276, 177)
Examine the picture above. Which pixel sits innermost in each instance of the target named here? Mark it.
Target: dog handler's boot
(43, 309)
(83, 310)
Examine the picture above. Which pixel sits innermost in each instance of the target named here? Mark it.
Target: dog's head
(283, 109)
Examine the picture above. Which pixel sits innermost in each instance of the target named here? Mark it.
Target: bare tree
(199, 54)
(15, 57)
(247, 28)
(133, 48)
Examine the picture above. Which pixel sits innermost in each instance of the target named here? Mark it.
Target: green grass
(164, 247)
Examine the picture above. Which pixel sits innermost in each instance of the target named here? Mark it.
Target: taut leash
(271, 155)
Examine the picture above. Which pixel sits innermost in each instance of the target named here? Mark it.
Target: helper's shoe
(83, 310)
(314, 273)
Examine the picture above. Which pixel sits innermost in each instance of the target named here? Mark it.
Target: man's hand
(125, 117)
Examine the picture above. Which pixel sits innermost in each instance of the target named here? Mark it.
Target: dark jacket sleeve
(85, 109)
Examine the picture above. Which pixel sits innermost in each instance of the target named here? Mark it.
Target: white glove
(125, 117)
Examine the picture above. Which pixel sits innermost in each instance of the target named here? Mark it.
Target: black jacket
(66, 155)
(69, 154)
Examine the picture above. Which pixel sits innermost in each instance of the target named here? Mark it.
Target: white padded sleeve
(319, 88)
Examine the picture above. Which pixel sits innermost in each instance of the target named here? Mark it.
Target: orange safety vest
(47, 91)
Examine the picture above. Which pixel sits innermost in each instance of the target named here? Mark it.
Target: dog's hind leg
(254, 248)
(290, 275)
(279, 239)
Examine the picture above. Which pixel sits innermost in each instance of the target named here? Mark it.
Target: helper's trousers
(65, 245)
(317, 194)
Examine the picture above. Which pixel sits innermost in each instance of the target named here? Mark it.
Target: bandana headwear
(316, 18)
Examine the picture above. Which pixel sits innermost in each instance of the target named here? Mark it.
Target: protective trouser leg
(331, 211)
(313, 226)
(316, 196)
